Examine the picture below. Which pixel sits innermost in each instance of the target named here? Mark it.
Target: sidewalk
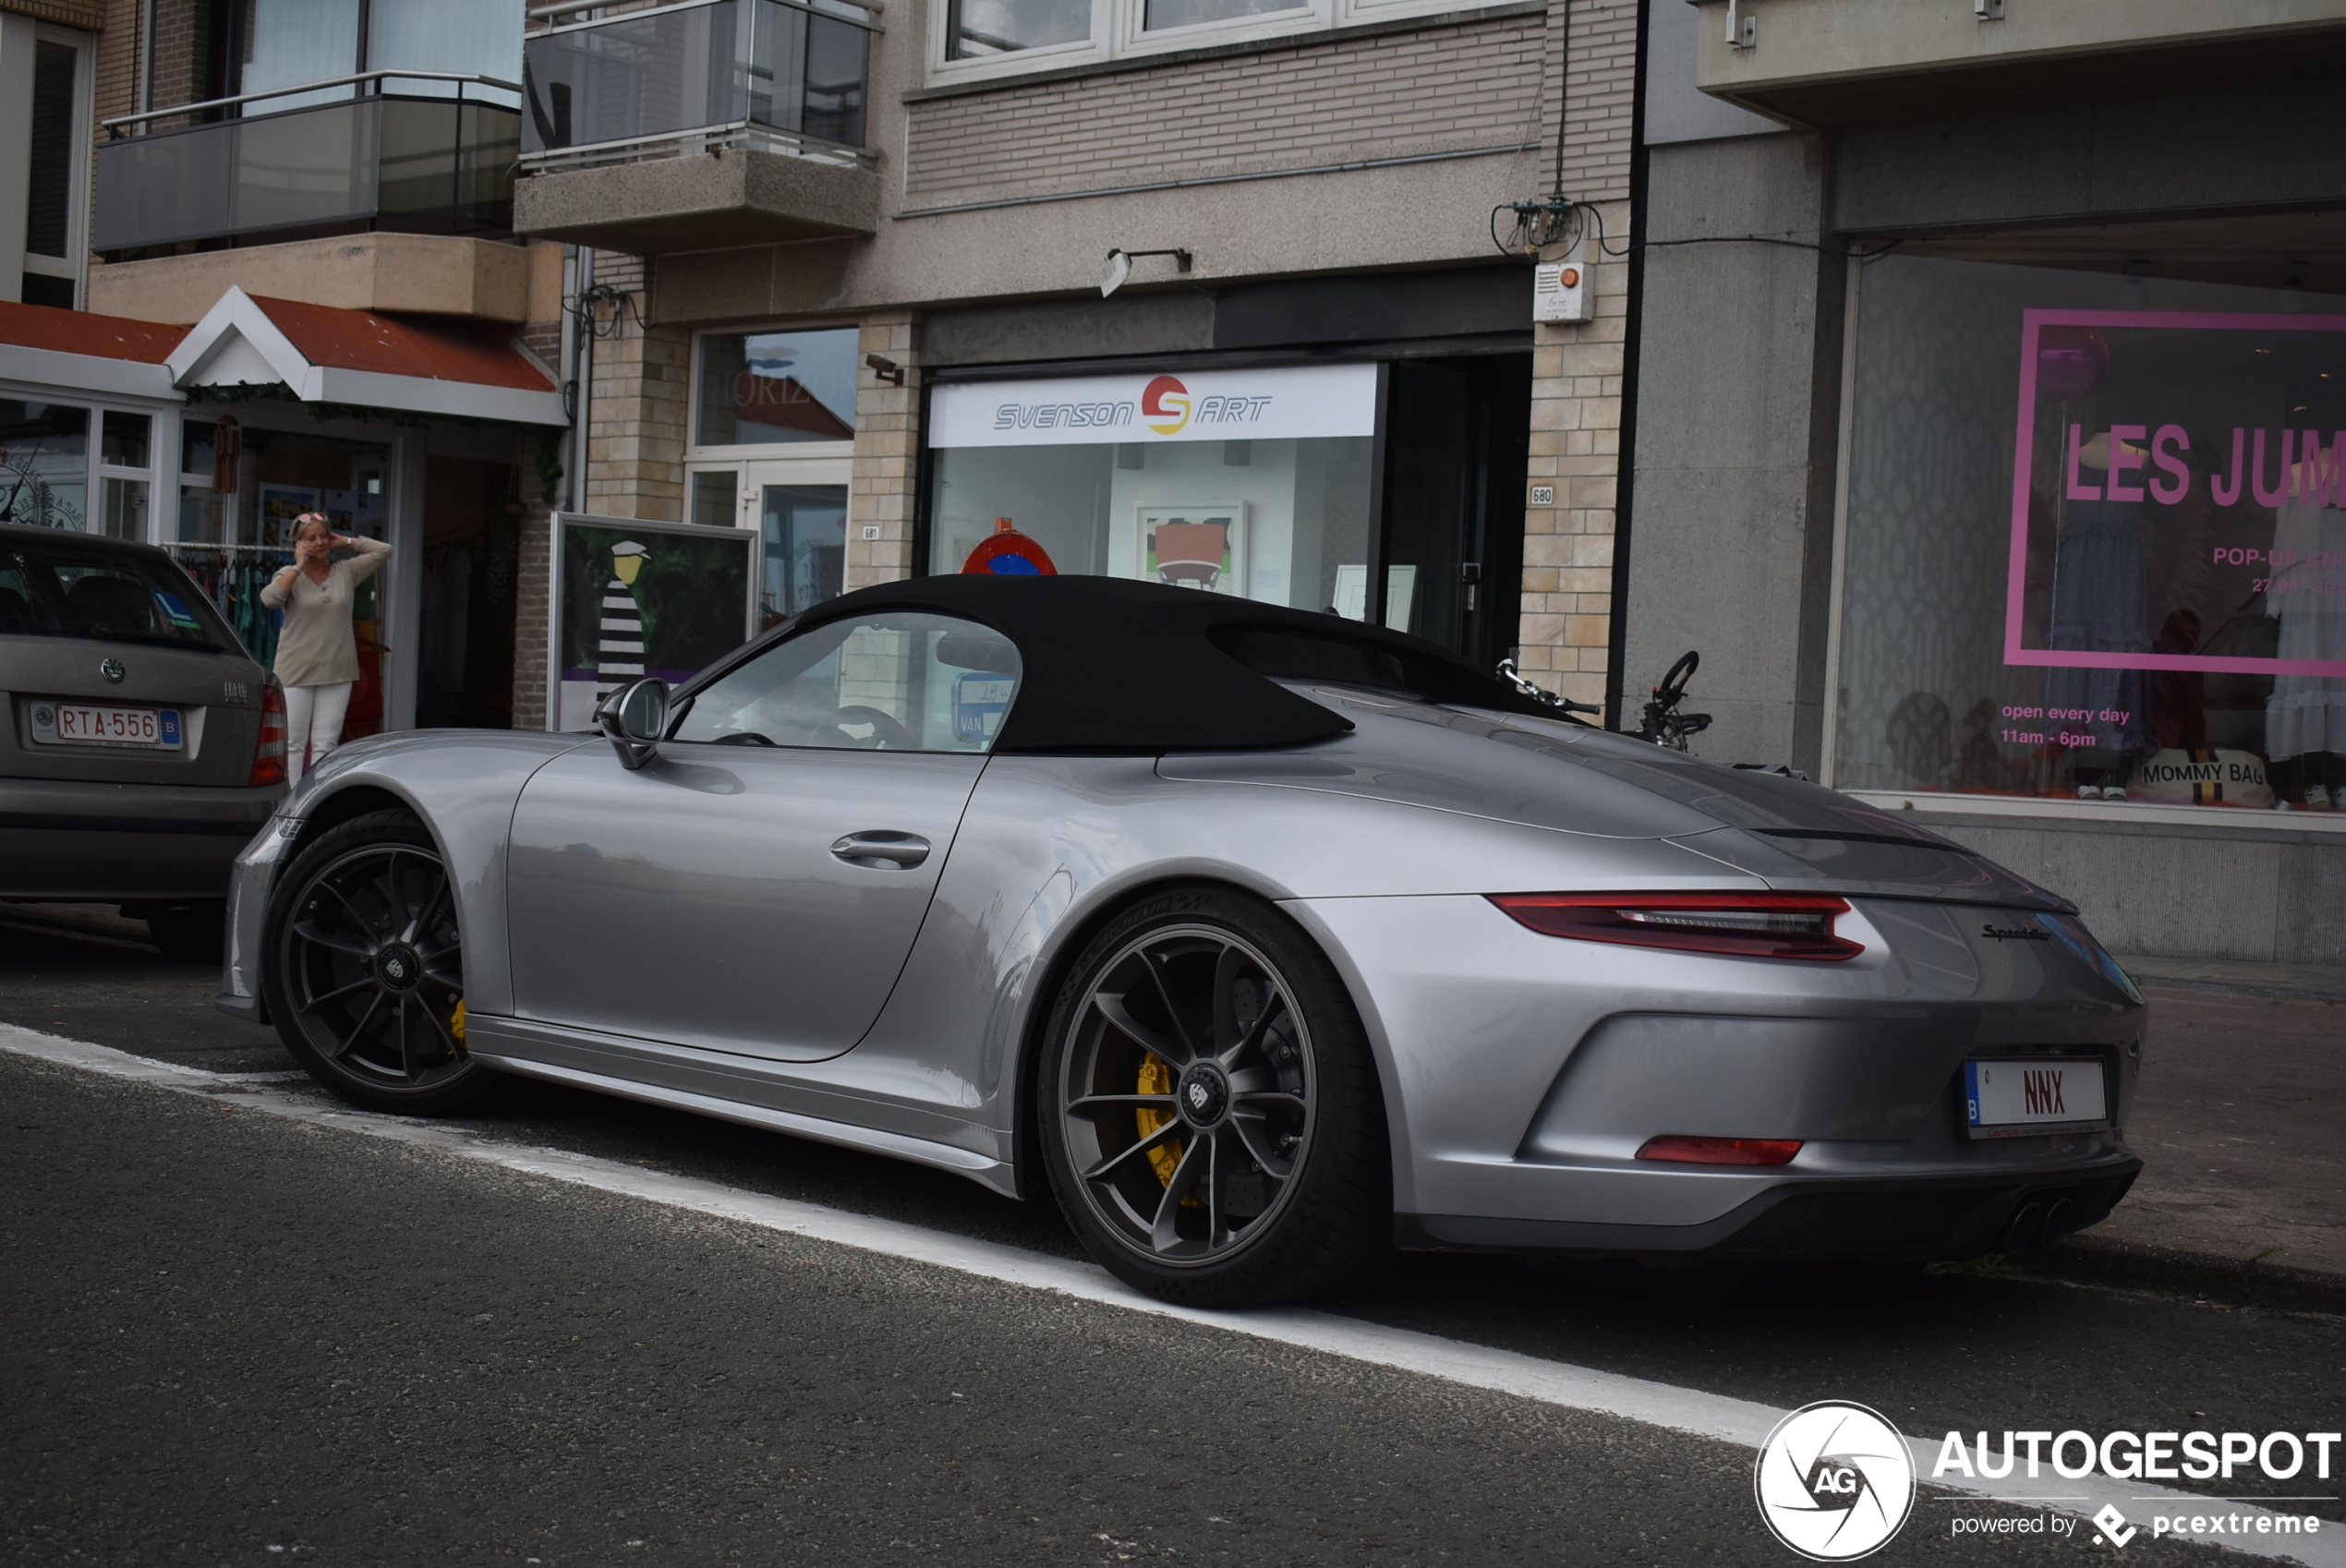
(2241, 1122)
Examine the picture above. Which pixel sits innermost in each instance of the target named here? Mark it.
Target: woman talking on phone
(317, 648)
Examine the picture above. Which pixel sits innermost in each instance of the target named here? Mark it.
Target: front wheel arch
(368, 917)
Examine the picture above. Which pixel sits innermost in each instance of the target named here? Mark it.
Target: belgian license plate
(2033, 1095)
(88, 724)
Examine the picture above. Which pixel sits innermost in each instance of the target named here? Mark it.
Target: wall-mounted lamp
(1119, 267)
(886, 369)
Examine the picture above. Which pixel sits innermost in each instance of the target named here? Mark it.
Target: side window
(895, 681)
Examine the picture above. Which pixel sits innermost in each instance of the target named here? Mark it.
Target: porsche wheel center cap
(1204, 1095)
(399, 966)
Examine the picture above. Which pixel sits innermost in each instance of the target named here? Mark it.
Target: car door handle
(881, 849)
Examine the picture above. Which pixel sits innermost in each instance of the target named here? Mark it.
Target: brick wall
(90, 13)
(116, 77)
(887, 438)
(183, 42)
(1577, 377)
(635, 450)
(1296, 106)
(534, 591)
(1576, 449)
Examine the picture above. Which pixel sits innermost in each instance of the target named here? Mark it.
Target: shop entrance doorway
(471, 556)
(1457, 443)
(799, 507)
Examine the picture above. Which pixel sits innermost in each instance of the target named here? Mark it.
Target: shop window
(771, 389)
(1256, 484)
(1259, 484)
(45, 465)
(124, 442)
(2096, 539)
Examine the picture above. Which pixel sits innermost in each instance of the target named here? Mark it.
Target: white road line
(1716, 1417)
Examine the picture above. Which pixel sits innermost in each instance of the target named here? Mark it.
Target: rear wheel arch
(1033, 1176)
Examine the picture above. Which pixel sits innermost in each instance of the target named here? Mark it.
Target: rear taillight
(1754, 926)
(268, 752)
(1721, 1150)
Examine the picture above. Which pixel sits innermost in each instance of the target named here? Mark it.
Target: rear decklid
(115, 668)
(1571, 778)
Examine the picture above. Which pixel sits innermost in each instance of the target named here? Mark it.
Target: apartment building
(1992, 371)
(1214, 292)
(260, 260)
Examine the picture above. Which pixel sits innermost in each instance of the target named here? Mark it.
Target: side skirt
(498, 1046)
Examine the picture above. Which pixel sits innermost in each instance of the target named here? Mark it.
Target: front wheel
(1209, 1110)
(364, 970)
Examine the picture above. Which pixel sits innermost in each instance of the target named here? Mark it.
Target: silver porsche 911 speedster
(1265, 941)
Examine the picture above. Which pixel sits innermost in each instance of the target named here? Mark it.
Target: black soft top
(1117, 667)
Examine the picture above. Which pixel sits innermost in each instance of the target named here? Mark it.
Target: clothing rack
(231, 576)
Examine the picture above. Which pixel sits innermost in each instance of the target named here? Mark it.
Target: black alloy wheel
(1210, 1107)
(364, 970)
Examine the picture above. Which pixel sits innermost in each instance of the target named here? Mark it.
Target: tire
(190, 934)
(362, 968)
(1209, 1108)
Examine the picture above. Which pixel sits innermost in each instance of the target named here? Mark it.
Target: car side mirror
(634, 720)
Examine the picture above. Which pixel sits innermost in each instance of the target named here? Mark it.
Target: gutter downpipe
(582, 371)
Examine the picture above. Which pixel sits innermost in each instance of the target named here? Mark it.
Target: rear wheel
(365, 973)
(1209, 1110)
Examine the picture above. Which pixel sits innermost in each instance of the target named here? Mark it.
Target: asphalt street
(233, 1336)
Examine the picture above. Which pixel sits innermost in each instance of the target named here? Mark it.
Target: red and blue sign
(1006, 552)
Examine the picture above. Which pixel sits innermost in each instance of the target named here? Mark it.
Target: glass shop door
(799, 507)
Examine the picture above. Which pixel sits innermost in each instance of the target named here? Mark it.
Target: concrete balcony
(1868, 62)
(697, 126)
(411, 274)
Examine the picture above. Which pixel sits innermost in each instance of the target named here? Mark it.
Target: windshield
(73, 587)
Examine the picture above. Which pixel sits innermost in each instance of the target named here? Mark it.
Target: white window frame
(150, 530)
(162, 434)
(75, 264)
(1117, 33)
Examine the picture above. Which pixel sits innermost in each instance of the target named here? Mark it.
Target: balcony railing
(405, 149)
(664, 83)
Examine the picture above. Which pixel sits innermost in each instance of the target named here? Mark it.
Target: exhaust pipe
(2022, 1231)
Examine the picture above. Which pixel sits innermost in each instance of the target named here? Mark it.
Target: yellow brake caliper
(456, 1024)
(1156, 1077)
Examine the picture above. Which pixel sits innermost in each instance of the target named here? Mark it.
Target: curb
(2251, 1282)
(2278, 989)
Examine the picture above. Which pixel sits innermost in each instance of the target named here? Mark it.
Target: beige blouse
(316, 647)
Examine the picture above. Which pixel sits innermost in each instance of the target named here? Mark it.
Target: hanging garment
(2307, 713)
(2101, 599)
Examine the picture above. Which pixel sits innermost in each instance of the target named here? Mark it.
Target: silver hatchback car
(1264, 941)
(144, 745)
